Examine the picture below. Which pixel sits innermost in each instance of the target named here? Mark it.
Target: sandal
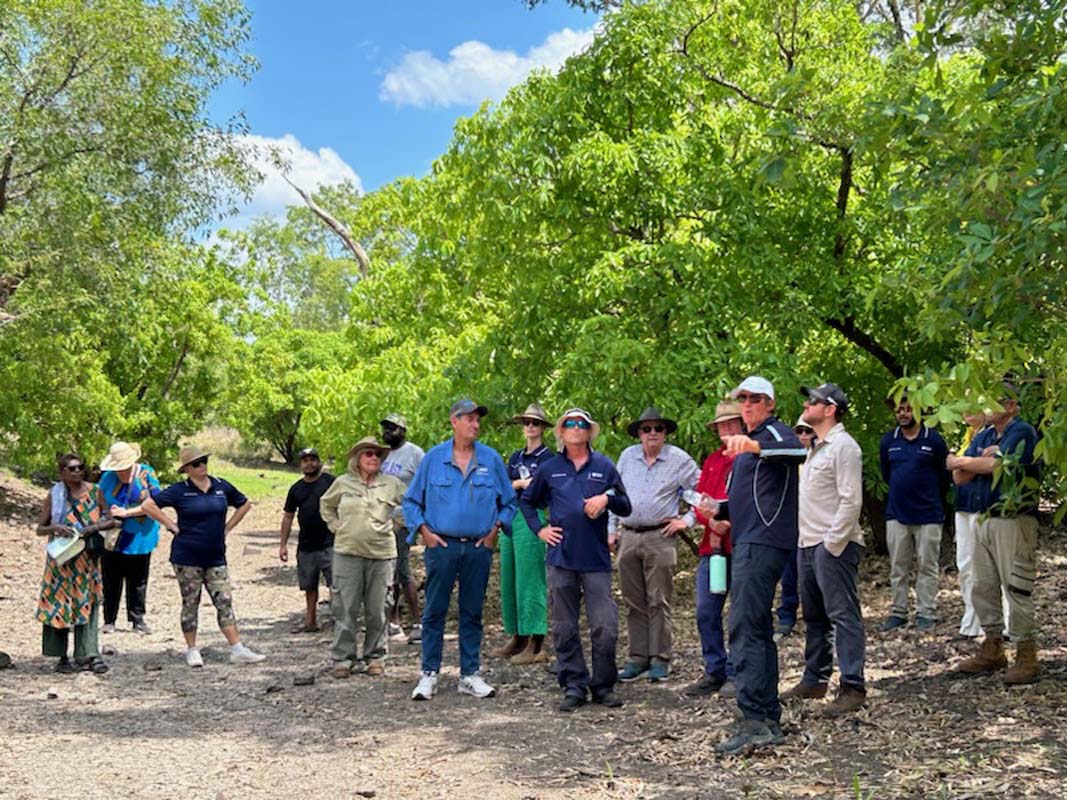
(64, 667)
(95, 665)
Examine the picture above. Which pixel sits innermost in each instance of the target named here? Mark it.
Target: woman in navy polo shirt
(198, 551)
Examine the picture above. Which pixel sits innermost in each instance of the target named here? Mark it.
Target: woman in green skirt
(72, 591)
(523, 593)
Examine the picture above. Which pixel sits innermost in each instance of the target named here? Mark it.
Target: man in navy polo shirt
(458, 500)
(579, 486)
(1005, 539)
(762, 509)
(912, 458)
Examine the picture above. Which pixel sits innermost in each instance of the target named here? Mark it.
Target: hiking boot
(513, 646)
(1026, 667)
(632, 671)
(893, 623)
(848, 699)
(728, 690)
(990, 658)
(475, 686)
(805, 691)
(426, 687)
(659, 671)
(415, 634)
(571, 702)
(376, 667)
(341, 669)
(925, 623)
(608, 699)
(704, 687)
(749, 734)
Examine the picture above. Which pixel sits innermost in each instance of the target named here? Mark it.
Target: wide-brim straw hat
(651, 414)
(121, 455)
(368, 443)
(725, 411)
(533, 411)
(577, 413)
(188, 454)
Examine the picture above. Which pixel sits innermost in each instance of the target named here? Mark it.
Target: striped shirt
(654, 490)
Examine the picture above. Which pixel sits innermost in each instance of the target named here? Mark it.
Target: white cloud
(475, 71)
(308, 169)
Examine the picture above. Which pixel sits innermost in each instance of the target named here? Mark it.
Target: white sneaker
(193, 657)
(426, 687)
(474, 685)
(396, 634)
(107, 627)
(242, 655)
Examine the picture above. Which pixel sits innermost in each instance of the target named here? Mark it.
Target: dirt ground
(153, 728)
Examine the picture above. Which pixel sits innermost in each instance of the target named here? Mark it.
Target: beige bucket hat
(121, 455)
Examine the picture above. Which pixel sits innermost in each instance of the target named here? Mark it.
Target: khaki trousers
(646, 577)
(922, 544)
(1005, 556)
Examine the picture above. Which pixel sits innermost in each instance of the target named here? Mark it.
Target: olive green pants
(54, 641)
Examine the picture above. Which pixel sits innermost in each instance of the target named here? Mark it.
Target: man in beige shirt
(828, 554)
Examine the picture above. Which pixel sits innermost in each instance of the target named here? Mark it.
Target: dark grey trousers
(566, 589)
(831, 605)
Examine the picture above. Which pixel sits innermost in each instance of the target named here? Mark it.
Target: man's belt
(644, 528)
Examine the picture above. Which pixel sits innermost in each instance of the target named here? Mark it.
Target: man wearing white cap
(762, 509)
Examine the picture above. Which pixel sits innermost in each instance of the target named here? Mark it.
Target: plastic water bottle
(524, 472)
(700, 502)
(717, 573)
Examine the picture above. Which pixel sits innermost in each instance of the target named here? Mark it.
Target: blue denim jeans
(756, 570)
(790, 599)
(469, 565)
(709, 623)
(832, 615)
(568, 588)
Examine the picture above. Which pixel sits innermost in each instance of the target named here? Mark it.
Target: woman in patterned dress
(71, 593)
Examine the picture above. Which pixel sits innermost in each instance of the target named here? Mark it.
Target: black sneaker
(705, 687)
(609, 699)
(64, 667)
(571, 702)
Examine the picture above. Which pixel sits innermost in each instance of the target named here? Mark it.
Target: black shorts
(310, 564)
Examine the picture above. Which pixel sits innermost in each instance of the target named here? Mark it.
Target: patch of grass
(258, 483)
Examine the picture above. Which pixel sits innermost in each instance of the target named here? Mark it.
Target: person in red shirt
(714, 477)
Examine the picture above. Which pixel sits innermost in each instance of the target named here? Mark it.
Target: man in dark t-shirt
(314, 550)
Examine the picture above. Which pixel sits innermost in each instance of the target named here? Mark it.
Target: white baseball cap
(754, 384)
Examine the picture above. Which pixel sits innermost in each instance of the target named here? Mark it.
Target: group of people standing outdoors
(777, 504)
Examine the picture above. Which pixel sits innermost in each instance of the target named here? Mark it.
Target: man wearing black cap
(829, 552)
(314, 550)
(655, 474)
(458, 501)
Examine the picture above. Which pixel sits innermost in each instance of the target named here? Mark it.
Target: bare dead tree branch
(337, 227)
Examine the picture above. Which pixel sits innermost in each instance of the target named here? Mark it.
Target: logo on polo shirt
(599, 475)
(559, 474)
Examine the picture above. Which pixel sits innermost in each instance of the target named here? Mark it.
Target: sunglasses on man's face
(650, 428)
(802, 431)
(200, 462)
(754, 399)
(75, 468)
(580, 424)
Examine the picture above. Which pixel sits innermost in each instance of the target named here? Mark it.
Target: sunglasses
(198, 463)
(75, 468)
(580, 424)
(751, 398)
(650, 428)
(529, 422)
(802, 430)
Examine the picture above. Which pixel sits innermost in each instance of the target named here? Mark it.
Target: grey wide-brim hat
(724, 412)
(651, 414)
(533, 411)
(577, 413)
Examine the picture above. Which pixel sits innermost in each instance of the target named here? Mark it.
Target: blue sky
(370, 89)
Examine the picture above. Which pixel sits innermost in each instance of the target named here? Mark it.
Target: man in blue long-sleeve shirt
(578, 486)
(762, 509)
(458, 500)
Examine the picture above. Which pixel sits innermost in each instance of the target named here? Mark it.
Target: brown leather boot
(512, 646)
(848, 699)
(1025, 669)
(533, 653)
(805, 691)
(990, 658)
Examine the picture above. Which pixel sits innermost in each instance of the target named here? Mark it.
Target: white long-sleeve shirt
(831, 493)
